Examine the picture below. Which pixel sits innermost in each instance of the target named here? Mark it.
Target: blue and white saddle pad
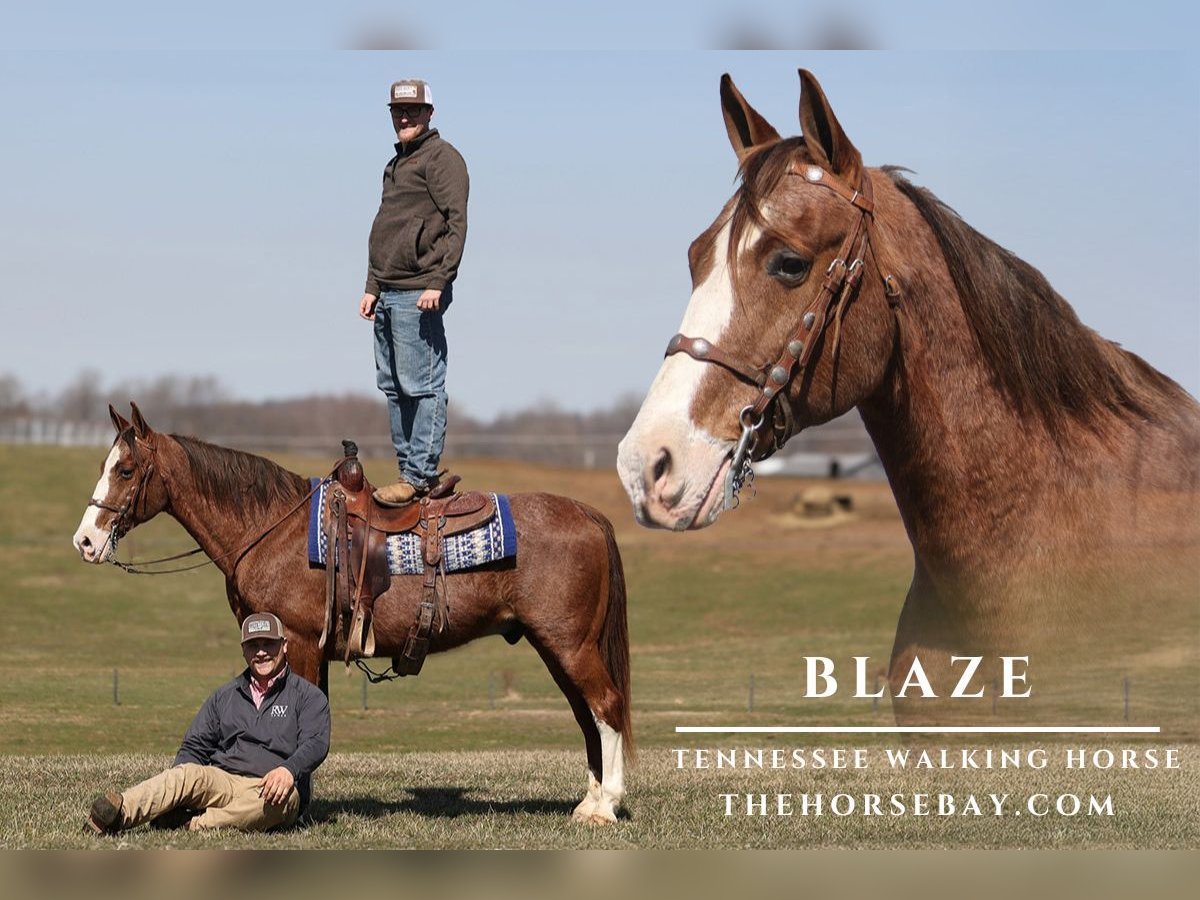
(494, 539)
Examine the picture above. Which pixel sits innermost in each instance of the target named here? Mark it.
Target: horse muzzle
(674, 481)
(93, 545)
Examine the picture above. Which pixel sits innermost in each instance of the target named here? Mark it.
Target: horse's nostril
(662, 465)
(85, 544)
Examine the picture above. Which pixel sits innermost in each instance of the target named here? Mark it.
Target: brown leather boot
(398, 493)
(105, 814)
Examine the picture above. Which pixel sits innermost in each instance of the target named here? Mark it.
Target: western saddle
(357, 571)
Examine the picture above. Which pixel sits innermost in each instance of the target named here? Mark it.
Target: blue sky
(195, 211)
(540, 25)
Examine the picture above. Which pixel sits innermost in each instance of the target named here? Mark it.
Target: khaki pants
(225, 800)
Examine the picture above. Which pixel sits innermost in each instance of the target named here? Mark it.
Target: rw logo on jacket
(278, 711)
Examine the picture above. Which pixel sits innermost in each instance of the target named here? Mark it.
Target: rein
(839, 285)
(119, 530)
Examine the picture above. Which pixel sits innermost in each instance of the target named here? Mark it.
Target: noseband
(839, 285)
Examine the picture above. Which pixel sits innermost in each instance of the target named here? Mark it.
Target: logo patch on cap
(260, 625)
(404, 91)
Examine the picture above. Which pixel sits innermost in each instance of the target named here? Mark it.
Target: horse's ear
(140, 428)
(823, 135)
(118, 421)
(747, 129)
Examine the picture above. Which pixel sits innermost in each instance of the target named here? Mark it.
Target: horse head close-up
(127, 493)
(790, 322)
(1047, 478)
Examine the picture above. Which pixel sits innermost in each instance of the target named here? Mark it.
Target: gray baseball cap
(410, 90)
(262, 625)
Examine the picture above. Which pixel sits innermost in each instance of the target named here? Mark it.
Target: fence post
(116, 695)
(364, 690)
(875, 695)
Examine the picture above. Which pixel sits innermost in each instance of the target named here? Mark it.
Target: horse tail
(614, 631)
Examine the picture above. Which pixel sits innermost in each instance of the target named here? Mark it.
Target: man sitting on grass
(248, 758)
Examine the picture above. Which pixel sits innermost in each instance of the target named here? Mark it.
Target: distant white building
(838, 449)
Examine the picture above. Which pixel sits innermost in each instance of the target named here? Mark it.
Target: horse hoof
(594, 814)
(584, 811)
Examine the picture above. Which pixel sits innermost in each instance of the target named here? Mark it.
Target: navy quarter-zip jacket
(290, 730)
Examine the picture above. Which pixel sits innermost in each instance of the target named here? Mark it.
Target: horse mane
(1045, 361)
(249, 480)
(1043, 358)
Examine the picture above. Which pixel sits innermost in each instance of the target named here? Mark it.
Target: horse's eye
(125, 472)
(788, 267)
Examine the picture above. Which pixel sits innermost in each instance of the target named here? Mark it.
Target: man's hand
(430, 299)
(366, 306)
(277, 784)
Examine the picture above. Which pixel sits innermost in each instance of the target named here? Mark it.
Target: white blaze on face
(663, 421)
(708, 313)
(89, 538)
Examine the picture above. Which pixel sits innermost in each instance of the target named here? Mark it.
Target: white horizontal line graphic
(917, 729)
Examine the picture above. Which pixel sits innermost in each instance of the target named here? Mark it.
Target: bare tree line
(316, 424)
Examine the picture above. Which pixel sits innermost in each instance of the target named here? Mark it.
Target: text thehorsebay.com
(918, 803)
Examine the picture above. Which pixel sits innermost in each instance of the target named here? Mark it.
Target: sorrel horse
(565, 593)
(1048, 480)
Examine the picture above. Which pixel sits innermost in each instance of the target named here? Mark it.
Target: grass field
(523, 800)
(481, 750)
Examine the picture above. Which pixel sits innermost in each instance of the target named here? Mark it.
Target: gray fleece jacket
(291, 730)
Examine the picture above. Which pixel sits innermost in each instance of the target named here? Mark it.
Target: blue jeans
(410, 369)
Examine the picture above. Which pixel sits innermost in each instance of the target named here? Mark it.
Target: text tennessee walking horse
(1048, 480)
(565, 594)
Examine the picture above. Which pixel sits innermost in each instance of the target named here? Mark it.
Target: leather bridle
(841, 280)
(120, 526)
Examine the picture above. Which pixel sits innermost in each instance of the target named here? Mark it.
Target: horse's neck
(969, 473)
(221, 527)
(979, 483)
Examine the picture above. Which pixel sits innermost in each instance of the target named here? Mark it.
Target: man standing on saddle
(246, 761)
(415, 247)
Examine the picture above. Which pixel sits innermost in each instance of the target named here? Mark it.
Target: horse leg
(612, 787)
(607, 706)
(587, 724)
(304, 658)
(596, 703)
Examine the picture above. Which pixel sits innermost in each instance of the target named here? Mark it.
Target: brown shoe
(398, 493)
(105, 815)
